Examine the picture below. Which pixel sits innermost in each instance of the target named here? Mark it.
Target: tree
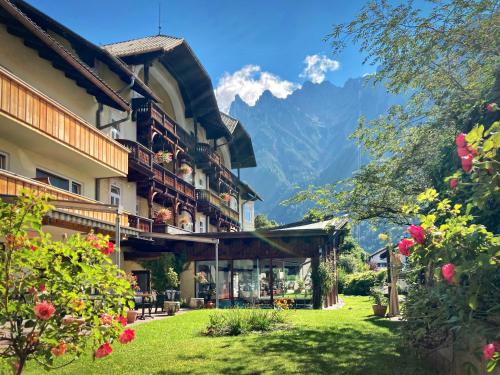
(56, 298)
(445, 57)
(163, 272)
(263, 222)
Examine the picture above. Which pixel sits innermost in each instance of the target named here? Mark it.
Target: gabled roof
(21, 25)
(85, 49)
(335, 223)
(241, 147)
(193, 80)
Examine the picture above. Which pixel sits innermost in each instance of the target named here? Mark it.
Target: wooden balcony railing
(141, 223)
(209, 197)
(34, 110)
(169, 179)
(205, 153)
(12, 184)
(138, 153)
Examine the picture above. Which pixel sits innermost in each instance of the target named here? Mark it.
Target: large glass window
(206, 288)
(246, 280)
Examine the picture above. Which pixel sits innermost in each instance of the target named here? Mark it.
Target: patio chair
(160, 302)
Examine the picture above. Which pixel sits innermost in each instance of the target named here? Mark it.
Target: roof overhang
(34, 36)
(86, 50)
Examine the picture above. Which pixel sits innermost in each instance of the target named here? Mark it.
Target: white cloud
(249, 83)
(317, 66)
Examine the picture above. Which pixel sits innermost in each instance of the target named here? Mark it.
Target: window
(247, 213)
(60, 182)
(115, 195)
(115, 133)
(3, 161)
(202, 227)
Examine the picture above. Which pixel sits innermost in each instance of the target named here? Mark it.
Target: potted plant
(131, 316)
(185, 170)
(164, 157)
(226, 197)
(183, 220)
(163, 215)
(380, 302)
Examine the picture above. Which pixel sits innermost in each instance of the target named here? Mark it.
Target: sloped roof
(194, 82)
(21, 25)
(84, 47)
(144, 45)
(241, 147)
(333, 223)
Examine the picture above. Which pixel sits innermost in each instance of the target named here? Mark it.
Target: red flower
(108, 249)
(42, 288)
(462, 151)
(44, 310)
(448, 271)
(404, 246)
(418, 233)
(33, 248)
(127, 336)
(122, 320)
(490, 349)
(492, 107)
(453, 183)
(104, 350)
(460, 140)
(467, 162)
(106, 319)
(59, 350)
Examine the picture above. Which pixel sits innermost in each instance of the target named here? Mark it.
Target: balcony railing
(34, 110)
(206, 154)
(169, 179)
(138, 153)
(208, 197)
(12, 184)
(139, 222)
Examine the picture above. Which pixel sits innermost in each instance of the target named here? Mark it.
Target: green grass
(346, 341)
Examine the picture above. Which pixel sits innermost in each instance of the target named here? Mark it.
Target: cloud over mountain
(249, 83)
(317, 66)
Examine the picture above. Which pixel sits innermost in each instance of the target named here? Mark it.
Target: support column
(316, 299)
(271, 280)
(217, 274)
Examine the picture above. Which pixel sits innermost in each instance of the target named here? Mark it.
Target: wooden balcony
(212, 163)
(12, 184)
(140, 159)
(142, 223)
(46, 126)
(208, 201)
(163, 176)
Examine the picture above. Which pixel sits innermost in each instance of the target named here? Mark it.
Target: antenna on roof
(159, 18)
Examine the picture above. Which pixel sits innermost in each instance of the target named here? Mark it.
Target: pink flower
(104, 350)
(127, 336)
(490, 349)
(492, 107)
(467, 162)
(462, 151)
(33, 248)
(108, 249)
(448, 271)
(44, 310)
(404, 246)
(122, 320)
(460, 140)
(453, 183)
(418, 233)
(106, 319)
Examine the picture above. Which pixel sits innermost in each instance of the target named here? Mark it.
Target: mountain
(304, 138)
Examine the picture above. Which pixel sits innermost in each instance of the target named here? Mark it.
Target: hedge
(359, 284)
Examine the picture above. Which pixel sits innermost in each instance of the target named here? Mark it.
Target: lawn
(346, 341)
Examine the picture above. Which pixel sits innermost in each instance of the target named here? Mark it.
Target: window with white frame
(60, 182)
(115, 195)
(3, 160)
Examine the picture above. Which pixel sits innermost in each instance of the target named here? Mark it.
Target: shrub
(234, 322)
(341, 279)
(359, 284)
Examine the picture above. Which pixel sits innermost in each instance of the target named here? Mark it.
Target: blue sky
(270, 38)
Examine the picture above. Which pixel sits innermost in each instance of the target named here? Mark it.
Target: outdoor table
(144, 297)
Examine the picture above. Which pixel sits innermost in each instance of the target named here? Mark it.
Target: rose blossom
(460, 140)
(491, 107)
(467, 162)
(462, 151)
(404, 246)
(44, 310)
(122, 320)
(418, 233)
(127, 336)
(59, 350)
(106, 319)
(453, 183)
(490, 349)
(109, 248)
(448, 271)
(104, 350)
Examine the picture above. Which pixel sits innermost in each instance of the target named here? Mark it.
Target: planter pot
(131, 316)
(210, 305)
(379, 310)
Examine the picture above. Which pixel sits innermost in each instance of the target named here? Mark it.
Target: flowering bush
(163, 215)
(185, 170)
(284, 303)
(56, 298)
(454, 261)
(164, 157)
(226, 197)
